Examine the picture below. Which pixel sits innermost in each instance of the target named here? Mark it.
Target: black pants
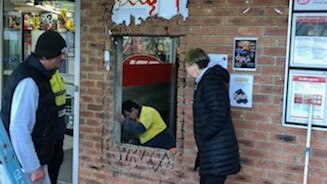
(211, 179)
(55, 163)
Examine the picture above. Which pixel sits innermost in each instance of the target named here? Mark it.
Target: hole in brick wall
(286, 138)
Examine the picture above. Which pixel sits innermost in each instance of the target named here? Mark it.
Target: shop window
(146, 74)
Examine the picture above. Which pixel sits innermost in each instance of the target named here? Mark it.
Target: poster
(244, 54)
(11, 20)
(306, 88)
(309, 5)
(220, 59)
(48, 21)
(241, 90)
(309, 40)
(305, 77)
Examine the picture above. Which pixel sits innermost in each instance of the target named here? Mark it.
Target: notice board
(306, 65)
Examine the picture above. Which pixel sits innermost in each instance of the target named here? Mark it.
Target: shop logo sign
(303, 2)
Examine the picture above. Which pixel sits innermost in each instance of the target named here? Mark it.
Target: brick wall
(270, 153)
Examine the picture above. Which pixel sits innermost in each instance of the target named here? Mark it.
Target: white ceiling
(20, 5)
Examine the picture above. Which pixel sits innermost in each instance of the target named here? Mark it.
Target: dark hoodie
(46, 129)
(213, 127)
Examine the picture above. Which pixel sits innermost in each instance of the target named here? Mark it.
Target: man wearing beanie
(29, 111)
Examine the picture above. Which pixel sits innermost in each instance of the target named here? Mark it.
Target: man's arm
(133, 126)
(130, 125)
(22, 122)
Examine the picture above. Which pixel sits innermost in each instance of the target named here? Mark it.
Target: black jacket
(46, 127)
(213, 127)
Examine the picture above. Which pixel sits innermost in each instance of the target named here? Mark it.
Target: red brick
(211, 25)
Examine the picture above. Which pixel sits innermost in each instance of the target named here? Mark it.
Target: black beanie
(50, 44)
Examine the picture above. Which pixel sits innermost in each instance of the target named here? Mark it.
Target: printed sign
(218, 59)
(241, 90)
(309, 45)
(310, 5)
(245, 54)
(306, 88)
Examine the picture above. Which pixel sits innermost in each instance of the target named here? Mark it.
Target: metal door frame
(1, 50)
(77, 91)
(76, 82)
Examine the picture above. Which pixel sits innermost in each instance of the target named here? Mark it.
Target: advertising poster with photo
(241, 90)
(306, 88)
(245, 54)
(309, 40)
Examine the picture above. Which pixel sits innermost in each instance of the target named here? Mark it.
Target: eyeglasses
(64, 51)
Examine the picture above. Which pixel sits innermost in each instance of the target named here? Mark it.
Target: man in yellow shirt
(59, 90)
(147, 124)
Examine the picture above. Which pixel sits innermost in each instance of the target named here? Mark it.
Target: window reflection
(159, 47)
(149, 77)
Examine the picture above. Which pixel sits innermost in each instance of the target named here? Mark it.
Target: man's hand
(38, 175)
(120, 118)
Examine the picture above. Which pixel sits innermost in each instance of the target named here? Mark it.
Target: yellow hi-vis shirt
(59, 90)
(152, 121)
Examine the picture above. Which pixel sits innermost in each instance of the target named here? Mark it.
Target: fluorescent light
(29, 4)
(48, 9)
(45, 8)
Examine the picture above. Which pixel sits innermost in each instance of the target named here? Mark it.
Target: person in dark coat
(218, 153)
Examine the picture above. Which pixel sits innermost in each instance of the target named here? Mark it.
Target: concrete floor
(65, 174)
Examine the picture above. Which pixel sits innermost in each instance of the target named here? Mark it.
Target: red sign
(145, 69)
(303, 1)
(304, 78)
(311, 19)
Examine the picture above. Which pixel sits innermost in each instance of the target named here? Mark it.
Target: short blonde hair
(197, 56)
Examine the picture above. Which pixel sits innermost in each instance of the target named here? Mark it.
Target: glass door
(19, 31)
(1, 52)
(11, 42)
(11, 45)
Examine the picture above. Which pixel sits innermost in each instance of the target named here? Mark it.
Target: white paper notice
(306, 90)
(310, 50)
(310, 5)
(218, 59)
(241, 90)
